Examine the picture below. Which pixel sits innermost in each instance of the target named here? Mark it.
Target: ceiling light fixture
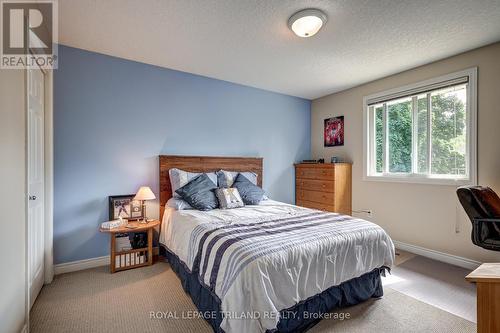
(307, 22)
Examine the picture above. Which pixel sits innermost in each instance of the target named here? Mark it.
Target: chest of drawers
(325, 187)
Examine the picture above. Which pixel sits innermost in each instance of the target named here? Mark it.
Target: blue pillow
(199, 193)
(250, 193)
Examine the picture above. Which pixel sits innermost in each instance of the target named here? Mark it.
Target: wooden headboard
(202, 164)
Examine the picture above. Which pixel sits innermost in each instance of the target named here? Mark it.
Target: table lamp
(144, 194)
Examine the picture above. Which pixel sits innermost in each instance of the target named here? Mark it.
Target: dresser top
(320, 165)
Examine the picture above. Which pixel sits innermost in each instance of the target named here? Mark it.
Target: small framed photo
(124, 206)
(334, 132)
(136, 209)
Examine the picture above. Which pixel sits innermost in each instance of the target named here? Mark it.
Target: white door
(36, 175)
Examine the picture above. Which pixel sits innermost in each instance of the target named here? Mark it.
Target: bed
(272, 267)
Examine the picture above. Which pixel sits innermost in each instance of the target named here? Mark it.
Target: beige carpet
(96, 301)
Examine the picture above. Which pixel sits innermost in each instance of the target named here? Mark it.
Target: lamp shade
(145, 193)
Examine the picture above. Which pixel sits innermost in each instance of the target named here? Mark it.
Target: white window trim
(368, 152)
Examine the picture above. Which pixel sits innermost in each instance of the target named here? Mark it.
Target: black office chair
(482, 205)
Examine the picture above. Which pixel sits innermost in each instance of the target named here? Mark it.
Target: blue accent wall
(113, 117)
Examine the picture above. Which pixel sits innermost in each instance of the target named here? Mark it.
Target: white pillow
(178, 204)
(179, 178)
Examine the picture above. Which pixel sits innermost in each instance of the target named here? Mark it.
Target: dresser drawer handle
(323, 186)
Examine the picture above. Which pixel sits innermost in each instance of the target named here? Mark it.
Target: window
(423, 133)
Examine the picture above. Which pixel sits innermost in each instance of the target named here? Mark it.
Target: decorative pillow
(250, 193)
(199, 193)
(229, 198)
(178, 204)
(227, 178)
(179, 178)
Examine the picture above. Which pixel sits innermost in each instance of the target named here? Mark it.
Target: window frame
(369, 147)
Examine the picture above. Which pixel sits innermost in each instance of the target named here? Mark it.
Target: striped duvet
(266, 258)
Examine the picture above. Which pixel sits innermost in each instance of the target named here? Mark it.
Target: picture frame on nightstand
(126, 207)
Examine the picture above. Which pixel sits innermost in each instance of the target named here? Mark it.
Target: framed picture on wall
(124, 206)
(334, 131)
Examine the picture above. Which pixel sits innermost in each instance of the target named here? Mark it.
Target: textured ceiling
(248, 41)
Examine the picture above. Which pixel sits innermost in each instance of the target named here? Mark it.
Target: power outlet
(363, 212)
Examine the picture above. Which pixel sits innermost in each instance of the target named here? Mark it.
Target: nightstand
(487, 279)
(122, 260)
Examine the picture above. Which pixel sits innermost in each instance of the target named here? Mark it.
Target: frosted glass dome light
(307, 22)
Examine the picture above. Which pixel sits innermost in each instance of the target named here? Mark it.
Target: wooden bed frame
(203, 164)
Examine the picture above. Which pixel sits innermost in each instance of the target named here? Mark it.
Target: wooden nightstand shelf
(118, 257)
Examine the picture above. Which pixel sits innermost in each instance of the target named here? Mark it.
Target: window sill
(419, 180)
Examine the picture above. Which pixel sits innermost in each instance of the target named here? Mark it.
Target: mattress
(259, 260)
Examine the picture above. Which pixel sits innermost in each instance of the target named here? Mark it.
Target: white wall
(12, 197)
(422, 215)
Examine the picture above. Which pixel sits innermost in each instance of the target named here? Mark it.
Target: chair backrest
(479, 201)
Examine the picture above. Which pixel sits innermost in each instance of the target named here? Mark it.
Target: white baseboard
(439, 256)
(79, 265)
